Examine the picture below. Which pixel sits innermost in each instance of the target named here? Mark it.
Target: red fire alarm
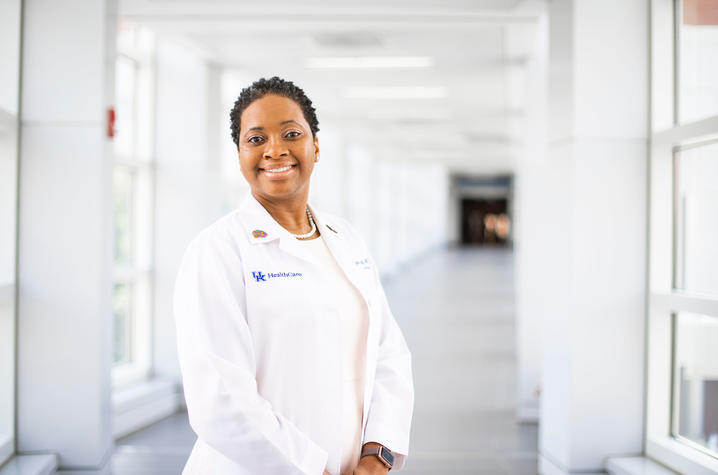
(111, 122)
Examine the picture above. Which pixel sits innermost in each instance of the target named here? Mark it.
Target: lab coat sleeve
(392, 402)
(218, 368)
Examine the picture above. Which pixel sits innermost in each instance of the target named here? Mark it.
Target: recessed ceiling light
(408, 92)
(370, 62)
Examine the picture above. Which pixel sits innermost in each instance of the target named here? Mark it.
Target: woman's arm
(218, 368)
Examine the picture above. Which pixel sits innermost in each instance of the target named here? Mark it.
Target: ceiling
(478, 51)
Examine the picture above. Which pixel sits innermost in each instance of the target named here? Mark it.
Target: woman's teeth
(277, 170)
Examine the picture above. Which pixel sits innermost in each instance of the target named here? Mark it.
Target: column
(594, 280)
(65, 233)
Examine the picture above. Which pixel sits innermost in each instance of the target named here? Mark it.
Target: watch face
(387, 455)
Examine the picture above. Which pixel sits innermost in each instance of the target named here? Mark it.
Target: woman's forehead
(272, 110)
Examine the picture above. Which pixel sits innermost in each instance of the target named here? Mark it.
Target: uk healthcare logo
(260, 277)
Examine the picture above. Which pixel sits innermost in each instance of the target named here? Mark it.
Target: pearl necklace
(311, 231)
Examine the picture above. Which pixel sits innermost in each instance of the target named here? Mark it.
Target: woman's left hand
(370, 466)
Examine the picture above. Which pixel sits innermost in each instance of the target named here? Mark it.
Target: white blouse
(354, 316)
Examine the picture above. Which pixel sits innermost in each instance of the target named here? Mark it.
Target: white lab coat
(260, 350)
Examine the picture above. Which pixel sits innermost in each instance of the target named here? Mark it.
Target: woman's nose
(275, 149)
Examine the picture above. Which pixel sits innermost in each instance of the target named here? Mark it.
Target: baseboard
(636, 466)
(41, 464)
(549, 467)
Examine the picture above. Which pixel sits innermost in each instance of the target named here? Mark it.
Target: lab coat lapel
(337, 246)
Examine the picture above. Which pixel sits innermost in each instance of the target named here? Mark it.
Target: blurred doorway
(482, 210)
(484, 221)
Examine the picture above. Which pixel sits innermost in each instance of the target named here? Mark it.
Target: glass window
(696, 214)
(125, 102)
(123, 193)
(695, 392)
(681, 429)
(133, 205)
(697, 59)
(123, 322)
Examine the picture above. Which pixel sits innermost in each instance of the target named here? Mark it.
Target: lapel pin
(332, 229)
(258, 233)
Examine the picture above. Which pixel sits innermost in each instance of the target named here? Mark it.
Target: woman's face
(276, 149)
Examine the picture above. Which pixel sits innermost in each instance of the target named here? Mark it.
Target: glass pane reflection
(696, 379)
(698, 59)
(123, 323)
(697, 219)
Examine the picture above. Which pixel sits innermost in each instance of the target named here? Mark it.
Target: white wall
(188, 196)
(399, 207)
(537, 228)
(328, 186)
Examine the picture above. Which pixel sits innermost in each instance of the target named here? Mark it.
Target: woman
(291, 360)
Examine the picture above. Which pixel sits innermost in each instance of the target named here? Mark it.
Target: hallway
(456, 310)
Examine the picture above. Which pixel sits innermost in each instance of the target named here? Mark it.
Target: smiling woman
(291, 359)
(277, 150)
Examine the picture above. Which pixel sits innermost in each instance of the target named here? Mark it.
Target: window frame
(10, 105)
(140, 275)
(668, 136)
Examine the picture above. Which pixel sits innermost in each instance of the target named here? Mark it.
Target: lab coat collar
(259, 224)
(261, 228)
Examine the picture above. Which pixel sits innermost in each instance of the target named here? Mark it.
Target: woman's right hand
(326, 473)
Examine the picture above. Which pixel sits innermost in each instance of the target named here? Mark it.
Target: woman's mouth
(278, 172)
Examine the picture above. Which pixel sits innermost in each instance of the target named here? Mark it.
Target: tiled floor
(457, 312)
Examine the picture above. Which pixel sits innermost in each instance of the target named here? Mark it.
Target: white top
(354, 316)
(260, 341)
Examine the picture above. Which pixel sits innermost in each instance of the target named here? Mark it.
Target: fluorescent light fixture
(370, 62)
(408, 92)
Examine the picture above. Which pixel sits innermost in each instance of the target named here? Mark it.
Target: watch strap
(379, 452)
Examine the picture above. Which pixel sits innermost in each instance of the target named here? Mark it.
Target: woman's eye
(293, 134)
(254, 139)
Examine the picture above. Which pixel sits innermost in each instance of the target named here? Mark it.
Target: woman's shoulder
(224, 234)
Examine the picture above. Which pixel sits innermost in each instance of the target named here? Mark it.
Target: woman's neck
(290, 214)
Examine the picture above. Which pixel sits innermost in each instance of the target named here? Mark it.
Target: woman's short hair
(280, 87)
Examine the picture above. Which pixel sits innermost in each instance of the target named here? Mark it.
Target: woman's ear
(316, 148)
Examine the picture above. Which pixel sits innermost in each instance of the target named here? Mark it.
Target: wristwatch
(382, 453)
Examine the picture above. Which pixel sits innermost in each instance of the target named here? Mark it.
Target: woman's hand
(326, 473)
(370, 466)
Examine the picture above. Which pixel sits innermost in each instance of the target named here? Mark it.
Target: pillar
(65, 233)
(593, 279)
